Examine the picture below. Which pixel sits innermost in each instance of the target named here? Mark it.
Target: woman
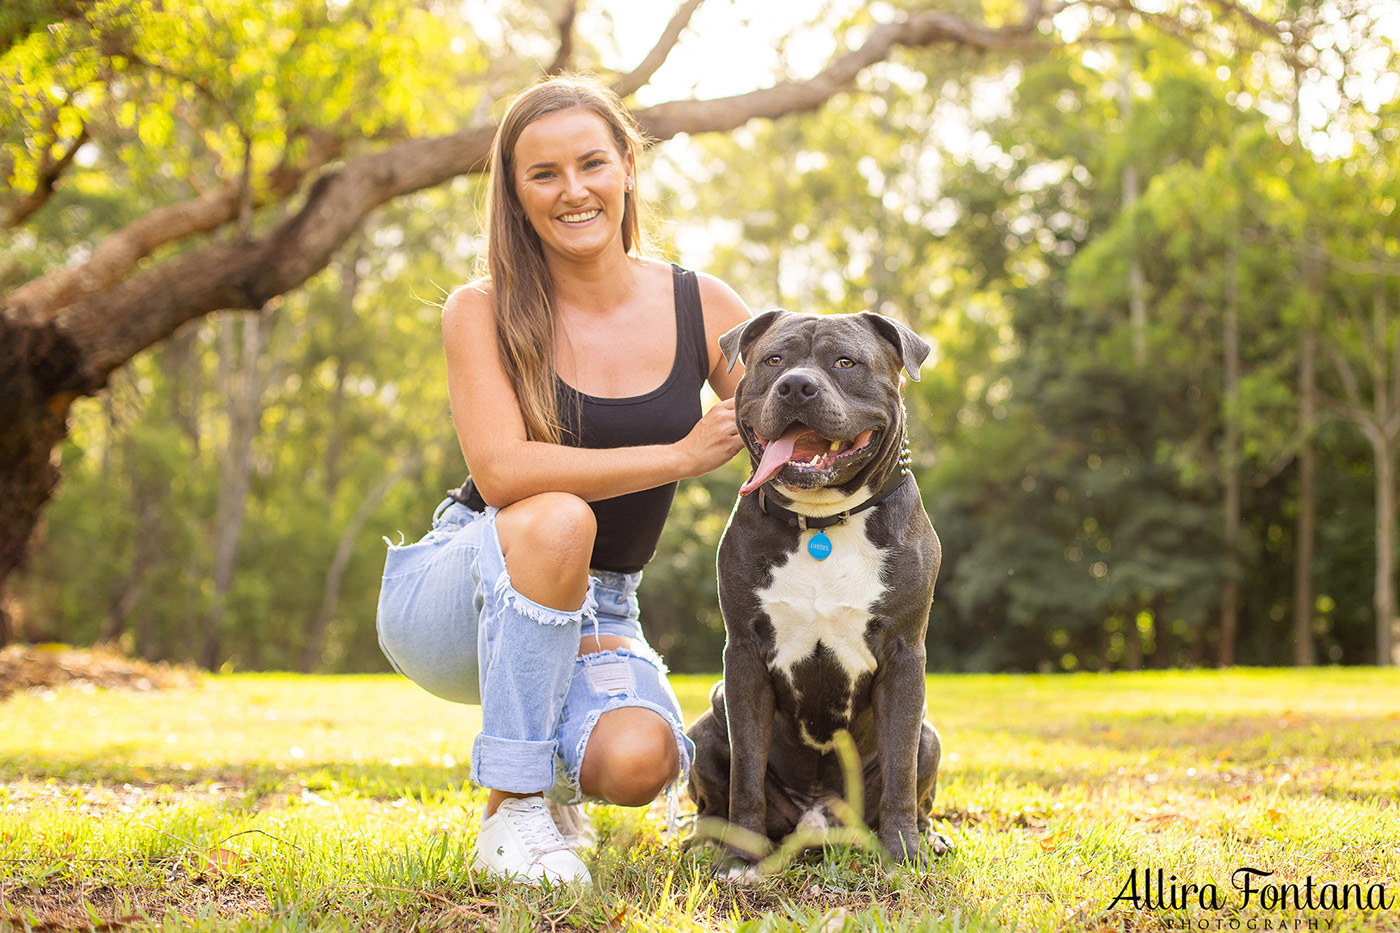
(574, 368)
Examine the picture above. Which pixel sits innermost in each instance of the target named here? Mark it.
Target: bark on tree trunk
(1161, 637)
(1137, 280)
(180, 360)
(1306, 528)
(1230, 598)
(33, 420)
(1385, 550)
(243, 384)
(1132, 652)
(1386, 399)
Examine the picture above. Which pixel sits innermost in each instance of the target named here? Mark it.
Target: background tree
(1112, 436)
(259, 103)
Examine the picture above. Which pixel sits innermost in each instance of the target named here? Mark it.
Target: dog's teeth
(835, 446)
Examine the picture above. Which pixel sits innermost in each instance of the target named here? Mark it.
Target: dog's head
(818, 406)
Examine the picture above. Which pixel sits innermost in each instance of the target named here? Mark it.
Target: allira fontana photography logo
(1251, 890)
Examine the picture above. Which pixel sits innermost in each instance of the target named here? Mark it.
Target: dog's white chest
(826, 601)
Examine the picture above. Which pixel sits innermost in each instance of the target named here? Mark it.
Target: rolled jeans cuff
(516, 766)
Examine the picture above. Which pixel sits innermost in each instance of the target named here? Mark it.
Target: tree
(1084, 476)
(298, 122)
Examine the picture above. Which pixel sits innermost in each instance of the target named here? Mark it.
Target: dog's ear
(736, 341)
(912, 348)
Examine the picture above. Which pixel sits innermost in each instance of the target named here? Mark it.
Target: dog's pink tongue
(775, 455)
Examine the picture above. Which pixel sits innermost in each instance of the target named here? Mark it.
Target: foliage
(1103, 500)
(1075, 461)
(356, 395)
(182, 95)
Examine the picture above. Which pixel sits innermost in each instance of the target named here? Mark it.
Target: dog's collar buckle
(803, 522)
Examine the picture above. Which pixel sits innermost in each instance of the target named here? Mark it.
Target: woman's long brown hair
(521, 286)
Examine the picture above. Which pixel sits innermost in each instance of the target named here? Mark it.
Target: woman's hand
(714, 441)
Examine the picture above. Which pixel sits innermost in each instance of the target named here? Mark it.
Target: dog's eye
(773, 360)
(845, 363)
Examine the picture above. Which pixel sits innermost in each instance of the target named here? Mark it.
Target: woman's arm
(491, 430)
(724, 310)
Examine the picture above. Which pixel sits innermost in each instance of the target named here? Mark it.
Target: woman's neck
(595, 286)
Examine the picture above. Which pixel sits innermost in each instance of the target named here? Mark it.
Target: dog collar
(804, 522)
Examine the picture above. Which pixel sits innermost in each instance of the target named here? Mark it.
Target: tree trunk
(1386, 399)
(1305, 531)
(184, 373)
(1161, 635)
(1230, 460)
(145, 549)
(344, 550)
(242, 384)
(1380, 422)
(1132, 650)
(1385, 550)
(1137, 281)
(180, 360)
(33, 420)
(344, 322)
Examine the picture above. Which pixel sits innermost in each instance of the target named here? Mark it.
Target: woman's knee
(631, 757)
(555, 526)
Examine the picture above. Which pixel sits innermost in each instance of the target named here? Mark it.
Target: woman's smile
(571, 181)
(581, 217)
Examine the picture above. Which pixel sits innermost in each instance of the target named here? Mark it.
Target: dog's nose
(798, 387)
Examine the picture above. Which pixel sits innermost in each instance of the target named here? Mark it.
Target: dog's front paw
(907, 848)
(735, 870)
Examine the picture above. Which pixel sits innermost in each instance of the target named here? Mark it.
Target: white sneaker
(573, 824)
(520, 842)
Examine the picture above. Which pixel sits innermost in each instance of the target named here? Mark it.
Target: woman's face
(571, 180)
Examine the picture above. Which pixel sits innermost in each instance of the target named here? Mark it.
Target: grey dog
(826, 575)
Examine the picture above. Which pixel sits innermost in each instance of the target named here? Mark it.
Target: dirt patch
(42, 667)
(96, 906)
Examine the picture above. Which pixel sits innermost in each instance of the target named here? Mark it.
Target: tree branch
(566, 38)
(340, 561)
(112, 326)
(1384, 265)
(17, 26)
(1349, 383)
(629, 84)
(49, 174)
(106, 319)
(119, 253)
(1231, 8)
(925, 29)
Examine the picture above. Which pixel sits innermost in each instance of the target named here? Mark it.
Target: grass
(272, 802)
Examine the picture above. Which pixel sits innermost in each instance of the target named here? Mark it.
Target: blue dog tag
(819, 546)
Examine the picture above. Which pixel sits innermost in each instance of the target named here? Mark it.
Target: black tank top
(629, 526)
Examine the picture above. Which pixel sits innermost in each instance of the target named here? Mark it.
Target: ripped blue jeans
(450, 620)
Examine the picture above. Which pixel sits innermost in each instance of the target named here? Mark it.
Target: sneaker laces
(535, 828)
